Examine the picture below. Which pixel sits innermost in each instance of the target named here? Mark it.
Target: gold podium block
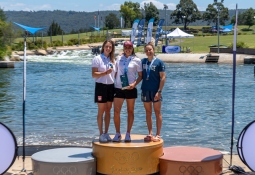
(135, 158)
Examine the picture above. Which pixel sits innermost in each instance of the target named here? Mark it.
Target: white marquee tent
(178, 33)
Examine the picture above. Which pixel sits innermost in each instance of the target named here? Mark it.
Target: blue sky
(94, 5)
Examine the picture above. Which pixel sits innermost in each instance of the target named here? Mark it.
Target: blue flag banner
(133, 32)
(140, 31)
(96, 28)
(31, 30)
(149, 30)
(159, 28)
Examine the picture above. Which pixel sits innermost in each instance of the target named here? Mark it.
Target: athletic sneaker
(102, 139)
(106, 135)
(117, 137)
(127, 138)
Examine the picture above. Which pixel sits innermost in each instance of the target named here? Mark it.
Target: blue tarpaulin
(96, 28)
(31, 30)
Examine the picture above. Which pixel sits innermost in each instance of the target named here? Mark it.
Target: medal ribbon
(126, 65)
(148, 70)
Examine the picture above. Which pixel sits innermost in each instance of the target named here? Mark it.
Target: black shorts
(104, 93)
(127, 94)
(148, 96)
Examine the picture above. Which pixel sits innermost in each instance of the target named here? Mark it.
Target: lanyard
(109, 65)
(148, 70)
(126, 65)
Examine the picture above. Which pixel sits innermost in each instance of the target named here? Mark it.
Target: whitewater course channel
(197, 102)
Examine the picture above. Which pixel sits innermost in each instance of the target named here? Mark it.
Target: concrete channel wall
(199, 57)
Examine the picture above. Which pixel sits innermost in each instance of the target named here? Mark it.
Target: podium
(134, 158)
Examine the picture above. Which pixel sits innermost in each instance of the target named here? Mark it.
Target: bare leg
(130, 110)
(118, 102)
(157, 110)
(148, 109)
(107, 117)
(100, 113)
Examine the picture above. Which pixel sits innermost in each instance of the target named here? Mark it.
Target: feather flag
(140, 31)
(149, 30)
(133, 32)
(159, 28)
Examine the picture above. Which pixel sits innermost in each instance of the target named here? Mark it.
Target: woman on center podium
(129, 74)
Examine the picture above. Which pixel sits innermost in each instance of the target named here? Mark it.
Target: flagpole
(32, 31)
(233, 87)
(24, 101)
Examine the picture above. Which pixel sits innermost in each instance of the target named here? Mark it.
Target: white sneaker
(102, 139)
(106, 135)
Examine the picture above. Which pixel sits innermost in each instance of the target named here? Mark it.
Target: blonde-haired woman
(103, 71)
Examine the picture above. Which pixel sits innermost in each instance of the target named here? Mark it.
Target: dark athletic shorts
(148, 96)
(127, 94)
(104, 93)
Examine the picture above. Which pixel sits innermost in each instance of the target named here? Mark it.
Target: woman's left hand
(157, 96)
(132, 85)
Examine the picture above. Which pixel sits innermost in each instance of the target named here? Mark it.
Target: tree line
(186, 12)
(60, 22)
(5, 33)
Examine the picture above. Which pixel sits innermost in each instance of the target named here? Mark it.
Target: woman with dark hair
(154, 78)
(129, 74)
(103, 71)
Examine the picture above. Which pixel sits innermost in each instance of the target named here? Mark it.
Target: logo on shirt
(153, 67)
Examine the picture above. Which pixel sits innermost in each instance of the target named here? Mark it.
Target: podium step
(190, 161)
(71, 160)
(134, 158)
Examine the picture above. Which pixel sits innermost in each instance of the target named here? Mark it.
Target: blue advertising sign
(171, 49)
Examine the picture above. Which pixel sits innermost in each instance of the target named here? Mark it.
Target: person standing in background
(103, 71)
(128, 67)
(154, 78)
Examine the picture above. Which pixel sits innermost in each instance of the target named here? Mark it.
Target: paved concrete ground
(18, 165)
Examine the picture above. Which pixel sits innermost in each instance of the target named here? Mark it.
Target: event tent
(226, 30)
(178, 33)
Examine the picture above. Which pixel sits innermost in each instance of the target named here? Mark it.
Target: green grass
(201, 44)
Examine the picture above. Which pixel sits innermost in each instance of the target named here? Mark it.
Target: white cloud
(112, 7)
(159, 5)
(231, 6)
(201, 8)
(25, 7)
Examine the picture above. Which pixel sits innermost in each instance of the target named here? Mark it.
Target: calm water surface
(197, 102)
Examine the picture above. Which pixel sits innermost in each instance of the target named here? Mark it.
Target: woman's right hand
(109, 71)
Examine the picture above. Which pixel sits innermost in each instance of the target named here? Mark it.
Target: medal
(148, 67)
